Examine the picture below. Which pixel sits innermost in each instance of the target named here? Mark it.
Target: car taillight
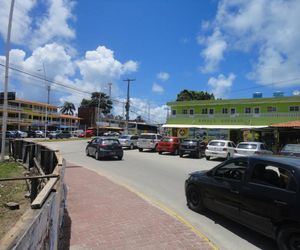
(224, 149)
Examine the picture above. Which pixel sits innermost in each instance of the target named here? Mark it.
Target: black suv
(192, 147)
(262, 193)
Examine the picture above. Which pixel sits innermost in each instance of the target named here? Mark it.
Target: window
(256, 110)
(225, 110)
(294, 109)
(232, 111)
(184, 111)
(173, 112)
(211, 111)
(232, 171)
(204, 111)
(273, 176)
(248, 110)
(271, 109)
(191, 112)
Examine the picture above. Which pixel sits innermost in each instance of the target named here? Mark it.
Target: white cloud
(157, 88)
(266, 29)
(163, 76)
(221, 85)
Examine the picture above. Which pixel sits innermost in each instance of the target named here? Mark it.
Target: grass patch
(60, 140)
(11, 191)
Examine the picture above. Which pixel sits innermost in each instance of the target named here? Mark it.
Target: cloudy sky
(229, 47)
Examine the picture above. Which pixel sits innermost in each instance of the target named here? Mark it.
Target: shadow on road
(65, 233)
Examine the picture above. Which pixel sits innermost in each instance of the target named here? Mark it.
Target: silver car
(128, 141)
(251, 148)
(148, 141)
(220, 149)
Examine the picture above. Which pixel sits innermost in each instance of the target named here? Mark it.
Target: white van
(148, 141)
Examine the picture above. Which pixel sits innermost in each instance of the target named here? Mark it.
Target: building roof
(33, 102)
(69, 117)
(283, 99)
(290, 124)
(211, 126)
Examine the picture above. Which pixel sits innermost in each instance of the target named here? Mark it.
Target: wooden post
(34, 189)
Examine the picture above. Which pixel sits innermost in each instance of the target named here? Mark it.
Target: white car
(220, 149)
(251, 148)
(148, 141)
(128, 141)
(39, 133)
(76, 133)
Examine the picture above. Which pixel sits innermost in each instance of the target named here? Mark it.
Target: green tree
(105, 102)
(68, 108)
(189, 95)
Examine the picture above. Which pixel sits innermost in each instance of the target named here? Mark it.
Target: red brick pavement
(105, 215)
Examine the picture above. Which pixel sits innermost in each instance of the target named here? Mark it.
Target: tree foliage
(68, 108)
(189, 95)
(105, 102)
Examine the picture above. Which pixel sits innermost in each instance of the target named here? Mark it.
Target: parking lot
(161, 177)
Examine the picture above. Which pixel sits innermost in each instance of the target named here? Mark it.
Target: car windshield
(147, 137)
(167, 139)
(124, 137)
(292, 148)
(109, 142)
(217, 143)
(247, 146)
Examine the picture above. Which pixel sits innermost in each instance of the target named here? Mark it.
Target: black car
(192, 147)
(291, 150)
(101, 147)
(262, 193)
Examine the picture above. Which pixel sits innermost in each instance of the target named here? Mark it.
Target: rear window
(247, 146)
(152, 137)
(110, 142)
(292, 148)
(217, 143)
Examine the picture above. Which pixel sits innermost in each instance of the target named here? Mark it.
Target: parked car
(30, 133)
(87, 133)
(39, 133)
(101, 147)
(76, 133)
(169, 144)
(251, 148)
(9, 134)
(220, 149)
(59, 135)
(20, 134)
(148, 141)
(260, 192)
(129, 141)
(290, 150)
(192, 147)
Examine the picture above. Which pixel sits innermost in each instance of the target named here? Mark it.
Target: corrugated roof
(69, 116)
(290, 124)
(211, 126)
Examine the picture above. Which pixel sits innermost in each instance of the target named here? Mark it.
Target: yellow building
(31, 115)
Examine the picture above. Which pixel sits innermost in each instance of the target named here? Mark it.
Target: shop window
(271, 109)
(211, 111)
(256, 110)
(184, 111)
(248, 110)
(232, 111)
(191, 112)
(225, 110)
(173, 112)
(204, 111)
(294, 109)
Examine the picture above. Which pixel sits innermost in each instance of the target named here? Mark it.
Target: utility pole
(127, 106)
(109, 92)
(99, 113)
(48, 99)
(5, 102)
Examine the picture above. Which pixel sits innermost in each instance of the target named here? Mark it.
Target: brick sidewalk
(104, 215)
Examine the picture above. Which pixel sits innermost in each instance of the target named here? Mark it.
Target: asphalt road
(161, 177)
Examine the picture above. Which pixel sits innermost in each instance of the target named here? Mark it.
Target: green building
(236, 119)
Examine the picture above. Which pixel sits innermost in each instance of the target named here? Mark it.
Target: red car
(168, 144)
(87, 133)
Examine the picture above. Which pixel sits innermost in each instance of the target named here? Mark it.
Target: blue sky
(231, 48)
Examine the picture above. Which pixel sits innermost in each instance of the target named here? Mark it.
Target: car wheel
(120, 157)
(288, 238)
(180, 155)
(160, 152)
(87, 152)
(194, 199)
(97, 156)
(140, 149)
(131, 146)
(207, 158)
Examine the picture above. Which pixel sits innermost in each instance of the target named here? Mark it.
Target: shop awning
(212, 126)
(291, 124)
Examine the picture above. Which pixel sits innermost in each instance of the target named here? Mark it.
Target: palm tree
(68, 108)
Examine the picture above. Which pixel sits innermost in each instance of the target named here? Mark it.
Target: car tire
(87, 152)
(97, 156)
(131, 146)
(120, 157)
(288, 237)
(194, 198)
(140, 149)
(180, 155)
(207, 158)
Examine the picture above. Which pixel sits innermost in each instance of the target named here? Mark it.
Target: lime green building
(231, 119)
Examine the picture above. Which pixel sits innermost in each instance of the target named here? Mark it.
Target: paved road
(162, 177)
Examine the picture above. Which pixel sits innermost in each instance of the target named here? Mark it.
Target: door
(93, 146)
(223, 194)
